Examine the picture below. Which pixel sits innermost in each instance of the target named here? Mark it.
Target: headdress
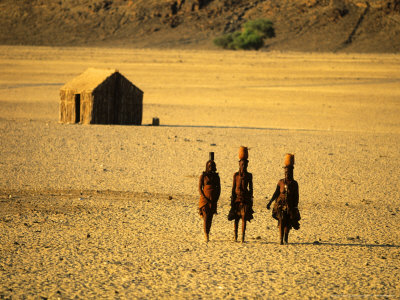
(289, 160)
(243, 153)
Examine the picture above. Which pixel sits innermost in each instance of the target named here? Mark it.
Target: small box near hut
(101, 96)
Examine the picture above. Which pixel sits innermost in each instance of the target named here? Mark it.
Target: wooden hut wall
(130, 102)
(118, 117)
(68, 109)
(103, 102)
(137, 111)
(86, 107)
(67, 106)
(117, 101)
(63, 108)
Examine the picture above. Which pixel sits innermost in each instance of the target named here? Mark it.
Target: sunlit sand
(86, 210)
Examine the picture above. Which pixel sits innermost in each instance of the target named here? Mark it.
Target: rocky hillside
(300, 25)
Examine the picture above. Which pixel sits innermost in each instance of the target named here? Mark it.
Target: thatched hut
(101, 96)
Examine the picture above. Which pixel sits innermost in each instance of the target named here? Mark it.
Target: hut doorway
(77, 108)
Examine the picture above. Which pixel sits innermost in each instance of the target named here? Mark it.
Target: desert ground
(101, 211)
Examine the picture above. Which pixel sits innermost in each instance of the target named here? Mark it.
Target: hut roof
(88, 80)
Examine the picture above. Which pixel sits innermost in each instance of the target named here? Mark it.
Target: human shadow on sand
(237, 127)
(317, 243)
(253, 241)
(348, 245)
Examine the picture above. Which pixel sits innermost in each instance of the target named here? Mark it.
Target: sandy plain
(85, 211)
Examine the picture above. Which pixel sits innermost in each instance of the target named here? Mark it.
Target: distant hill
(300, 25)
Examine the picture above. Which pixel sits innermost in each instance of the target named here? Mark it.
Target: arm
(218, 187)
(296, 196)
(274, 196)
(233, 196)
(201, 186)
(251, 185)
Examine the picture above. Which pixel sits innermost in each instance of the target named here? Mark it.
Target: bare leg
(286, 235)
(208, 224)
(281, 229)
(243, 227)
(236, 224)
(286, 221)
(205, 216)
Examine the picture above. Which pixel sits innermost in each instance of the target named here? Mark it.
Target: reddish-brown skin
(242, 197)
(285, 209)
(210, 190)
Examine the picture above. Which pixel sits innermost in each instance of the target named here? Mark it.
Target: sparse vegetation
(263, 27)
(251, 36)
